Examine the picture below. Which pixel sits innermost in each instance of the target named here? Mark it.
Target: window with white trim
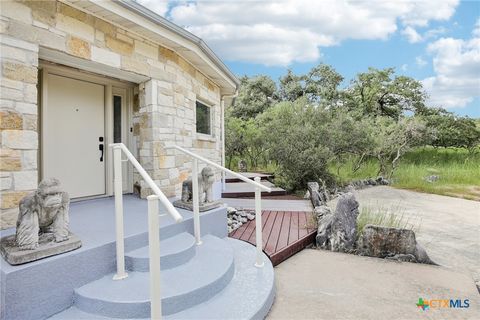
(204, 118)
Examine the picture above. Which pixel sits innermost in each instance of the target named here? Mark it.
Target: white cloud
(456, 63)
(404, 67)
(424, 11)
(433, 33)
(420, 62)
(286, 31)
(476, 30)
(158, 6)
(412, 35)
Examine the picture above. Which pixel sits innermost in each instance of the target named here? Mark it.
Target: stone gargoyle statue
(205, 193)
(42, 225)
(46, 211)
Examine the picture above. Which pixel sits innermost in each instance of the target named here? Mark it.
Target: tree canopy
(310, 122)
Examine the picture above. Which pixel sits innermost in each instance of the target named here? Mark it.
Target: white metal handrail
(258, 200)
(153, 225)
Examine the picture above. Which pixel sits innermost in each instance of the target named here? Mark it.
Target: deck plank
(284, 232)
(271, 244)
(241, 230)
(248, 230)
(267, 229)
(293, 235)
(302, 225)
(253, 236)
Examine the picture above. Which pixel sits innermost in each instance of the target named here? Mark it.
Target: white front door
(74, 134)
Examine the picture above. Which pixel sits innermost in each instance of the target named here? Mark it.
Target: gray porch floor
(93, 221)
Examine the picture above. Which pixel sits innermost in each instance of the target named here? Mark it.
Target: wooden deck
(284, 233)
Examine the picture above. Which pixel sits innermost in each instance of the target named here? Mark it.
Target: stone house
(79, 75)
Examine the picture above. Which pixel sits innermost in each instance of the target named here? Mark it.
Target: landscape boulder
(337, 231)
(307, 195)
(324, 218)
(242, 166)
(432, 178)
(317, 196)
(393, 243)
(379, 181)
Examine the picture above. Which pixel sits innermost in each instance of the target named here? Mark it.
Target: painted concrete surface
(174, 251)
(187, 285)
(449, 228)
(249, 175)
(270, 204)
(249, 294)
(235, 187)
(317, 284)
(94, 223)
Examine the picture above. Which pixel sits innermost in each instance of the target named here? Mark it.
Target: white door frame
(112, 86)
(127, 101)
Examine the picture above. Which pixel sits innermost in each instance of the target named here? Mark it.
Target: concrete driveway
(317, 284)
(449, 227)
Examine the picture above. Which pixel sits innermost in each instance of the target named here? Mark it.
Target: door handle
(100, 147)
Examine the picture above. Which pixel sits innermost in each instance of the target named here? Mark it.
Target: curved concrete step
(249, 295)
(183, 287)
(174, 251)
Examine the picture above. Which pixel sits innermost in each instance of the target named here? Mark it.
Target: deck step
(174, 251)
(243, 190)
(184, 286)
(249, 295)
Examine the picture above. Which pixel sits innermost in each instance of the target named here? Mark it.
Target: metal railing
(258, 200)
(153, 225)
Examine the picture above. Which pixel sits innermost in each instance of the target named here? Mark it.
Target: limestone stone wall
(163, 108)
(18, 125)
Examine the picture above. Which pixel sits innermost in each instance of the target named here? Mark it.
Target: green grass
(262, 167)
(459, 172)
(393, 217)
(458, 169)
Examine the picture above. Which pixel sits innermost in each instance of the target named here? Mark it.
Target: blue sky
(434, 41)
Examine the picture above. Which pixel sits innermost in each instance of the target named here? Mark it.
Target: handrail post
(258, 225)
(154, 257)
(118, 190)
(195, 200)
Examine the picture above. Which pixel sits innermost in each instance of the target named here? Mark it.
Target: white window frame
(205, 136)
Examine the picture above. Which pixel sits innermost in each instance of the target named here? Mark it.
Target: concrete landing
(270, 204)
(249, 175)
(243, 189)
(333, 285)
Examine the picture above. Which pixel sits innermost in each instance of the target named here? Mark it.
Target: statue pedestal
(203, 206)
(46, 247)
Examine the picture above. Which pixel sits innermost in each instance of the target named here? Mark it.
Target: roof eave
(154, 17)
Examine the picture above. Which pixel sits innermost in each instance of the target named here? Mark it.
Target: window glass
(117, 119)
(203, 118)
